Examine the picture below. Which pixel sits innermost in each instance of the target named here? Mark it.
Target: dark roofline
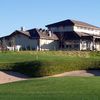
(81, 23)
(40, 35)
(21, 32)
(70, 22)
(13, 33)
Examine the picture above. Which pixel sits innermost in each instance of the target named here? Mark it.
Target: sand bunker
(9, 76)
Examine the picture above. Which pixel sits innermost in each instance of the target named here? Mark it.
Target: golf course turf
(66, 88)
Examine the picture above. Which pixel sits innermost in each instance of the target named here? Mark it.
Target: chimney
(50, 33)
(22, 29)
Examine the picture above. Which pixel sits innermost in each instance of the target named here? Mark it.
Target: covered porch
(90, 43)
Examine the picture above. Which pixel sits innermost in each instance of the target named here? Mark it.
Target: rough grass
(67, 88)
(48, 62)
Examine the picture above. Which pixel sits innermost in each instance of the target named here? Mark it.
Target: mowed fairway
(66, 88)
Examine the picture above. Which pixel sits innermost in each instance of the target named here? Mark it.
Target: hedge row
(44, 68)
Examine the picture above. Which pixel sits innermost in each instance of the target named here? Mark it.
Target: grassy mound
(48, 63)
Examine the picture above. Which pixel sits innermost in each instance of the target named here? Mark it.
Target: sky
(38, 13)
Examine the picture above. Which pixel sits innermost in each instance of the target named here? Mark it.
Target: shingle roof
(23, 32)
(80, 23)
(43, 34)
(47, 34)
(70, 22)
(82, 34)
(34, 33)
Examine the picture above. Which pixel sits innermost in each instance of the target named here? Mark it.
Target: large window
(72, 47)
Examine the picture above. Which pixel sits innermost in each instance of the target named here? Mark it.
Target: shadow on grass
(31, 69)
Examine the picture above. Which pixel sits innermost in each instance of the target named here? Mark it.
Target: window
(76, 46)
(68, 46)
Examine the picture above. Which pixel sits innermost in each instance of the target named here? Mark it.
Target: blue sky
(38, 13)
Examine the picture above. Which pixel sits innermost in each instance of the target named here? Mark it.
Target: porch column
(80, 44)
(93, 46)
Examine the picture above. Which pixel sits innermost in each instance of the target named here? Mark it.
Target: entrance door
(88, 45)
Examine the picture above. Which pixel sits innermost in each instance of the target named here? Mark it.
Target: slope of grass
(48, 62)
(67, 88)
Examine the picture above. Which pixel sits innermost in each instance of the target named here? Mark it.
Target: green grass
(48, 62)
(67, 88)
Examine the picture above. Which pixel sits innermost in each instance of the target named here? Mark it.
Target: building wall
(75, 28)
(86, 45)
(97, 46)
(61, 29)
(33, 44)
(89, 45)
(24, 41)
(49, 44)
(86, 30)
(81, 45)
(72, 45)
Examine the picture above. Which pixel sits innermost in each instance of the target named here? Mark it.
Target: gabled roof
(70, 22)
(20, 32)
(34, 34)
(16, 32)
(42, 33)
(80, 23)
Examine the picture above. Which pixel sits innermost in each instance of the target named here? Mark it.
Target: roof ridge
(81, 22)
(73, 22)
